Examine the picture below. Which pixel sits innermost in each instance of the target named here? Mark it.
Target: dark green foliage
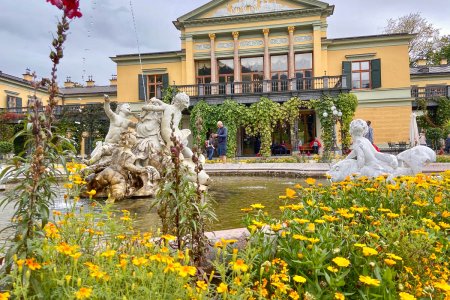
(6, 147)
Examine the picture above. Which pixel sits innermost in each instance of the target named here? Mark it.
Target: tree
(426, 38)
(442, 52)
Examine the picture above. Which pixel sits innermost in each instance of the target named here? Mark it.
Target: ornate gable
(230, 8)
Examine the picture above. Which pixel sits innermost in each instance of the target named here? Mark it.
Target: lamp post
(336, 116)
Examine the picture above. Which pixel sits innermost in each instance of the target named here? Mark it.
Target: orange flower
(32, 264)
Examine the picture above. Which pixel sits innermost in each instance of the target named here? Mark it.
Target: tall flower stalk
(33, 196)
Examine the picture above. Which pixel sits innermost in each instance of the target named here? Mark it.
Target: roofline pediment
(192, 15)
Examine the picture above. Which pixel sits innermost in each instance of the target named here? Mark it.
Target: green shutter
(347, 72)
(165, 81)
(19, 105)
(375, 69)
(142, 86)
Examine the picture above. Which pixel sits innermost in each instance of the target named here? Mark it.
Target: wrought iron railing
(265, 86)
(430, 91)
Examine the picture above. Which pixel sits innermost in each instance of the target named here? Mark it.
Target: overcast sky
(106, 29)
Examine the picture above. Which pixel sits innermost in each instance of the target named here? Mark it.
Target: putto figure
(119, 122)
(129, 162)
(365, 160)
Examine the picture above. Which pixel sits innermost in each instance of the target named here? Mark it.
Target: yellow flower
(392, 215)
(442, 285)
(311, 227)
(369, 280)
(406, 296)
(122, 264)
(139, 261)
(360, 245)
(276, 227)
(168, 237)
(339, 296)
(299, 237)
(83, 293)
(299, 279)
(258, 224)
(290, 193)
(202, 285)
(239, 265)
(32, 264)
(91, 193)
(310, 181)
(332, 269)
(257, 206)
(393, 256)
(108, 253)
(222, 288)
(301, 221)
(367, 251)
(5, 296)
(187, 270)
(341, 261)
(389, 262)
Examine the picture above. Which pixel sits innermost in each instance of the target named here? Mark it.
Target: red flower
(71, 7)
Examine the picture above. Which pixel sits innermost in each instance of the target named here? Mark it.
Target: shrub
(6, 147)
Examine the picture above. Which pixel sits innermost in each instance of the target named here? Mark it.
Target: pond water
(230, 194)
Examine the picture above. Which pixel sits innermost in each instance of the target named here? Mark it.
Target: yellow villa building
(245, 49)
(279, 49)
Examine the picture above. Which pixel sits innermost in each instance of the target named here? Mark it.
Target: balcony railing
(430, 92)
(265, 86)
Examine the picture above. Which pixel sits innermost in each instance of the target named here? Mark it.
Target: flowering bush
(366, 239)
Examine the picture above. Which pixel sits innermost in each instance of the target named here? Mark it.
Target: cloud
(106, 29)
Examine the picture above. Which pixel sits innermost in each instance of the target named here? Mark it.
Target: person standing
(422, 139)
(369, 133)
(222, 136)
(210, 147)
(447, 144)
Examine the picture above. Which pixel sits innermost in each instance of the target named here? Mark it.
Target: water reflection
(230, 194)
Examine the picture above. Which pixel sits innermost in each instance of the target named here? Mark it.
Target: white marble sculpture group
(129, 162)
(364, 160)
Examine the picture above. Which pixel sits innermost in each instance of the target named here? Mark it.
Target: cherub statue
(364, 160)
(172, 113)
(370, 161)
(116, 177)
(119, 122)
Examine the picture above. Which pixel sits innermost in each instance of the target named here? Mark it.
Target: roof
(149, 54)
(430, 70)
(386, 35)
(20, 81)
(88, 90)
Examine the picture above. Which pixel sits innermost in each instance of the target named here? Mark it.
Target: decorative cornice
(251, 18)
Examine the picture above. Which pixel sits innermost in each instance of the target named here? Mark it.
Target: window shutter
(142, 86)
(19, 104)
(375, 69)
(165, 81)
(347, 72)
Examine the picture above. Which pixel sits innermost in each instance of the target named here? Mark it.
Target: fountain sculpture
(129, 162)
(364, 160)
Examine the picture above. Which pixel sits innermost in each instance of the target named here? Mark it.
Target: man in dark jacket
(222, 135)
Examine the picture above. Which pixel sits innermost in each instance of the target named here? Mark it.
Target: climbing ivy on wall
(289, 112)
(260, 118)
(347, 104)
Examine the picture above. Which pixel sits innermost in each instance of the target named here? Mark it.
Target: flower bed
(368, 239)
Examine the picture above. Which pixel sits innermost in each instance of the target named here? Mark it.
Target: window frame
(360, 71)
(154, 84)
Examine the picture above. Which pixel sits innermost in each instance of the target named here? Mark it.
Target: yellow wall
(394, 63)
(390, 124)
(422, 81)
(86, 99)
(127, 79)
(24, 93)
